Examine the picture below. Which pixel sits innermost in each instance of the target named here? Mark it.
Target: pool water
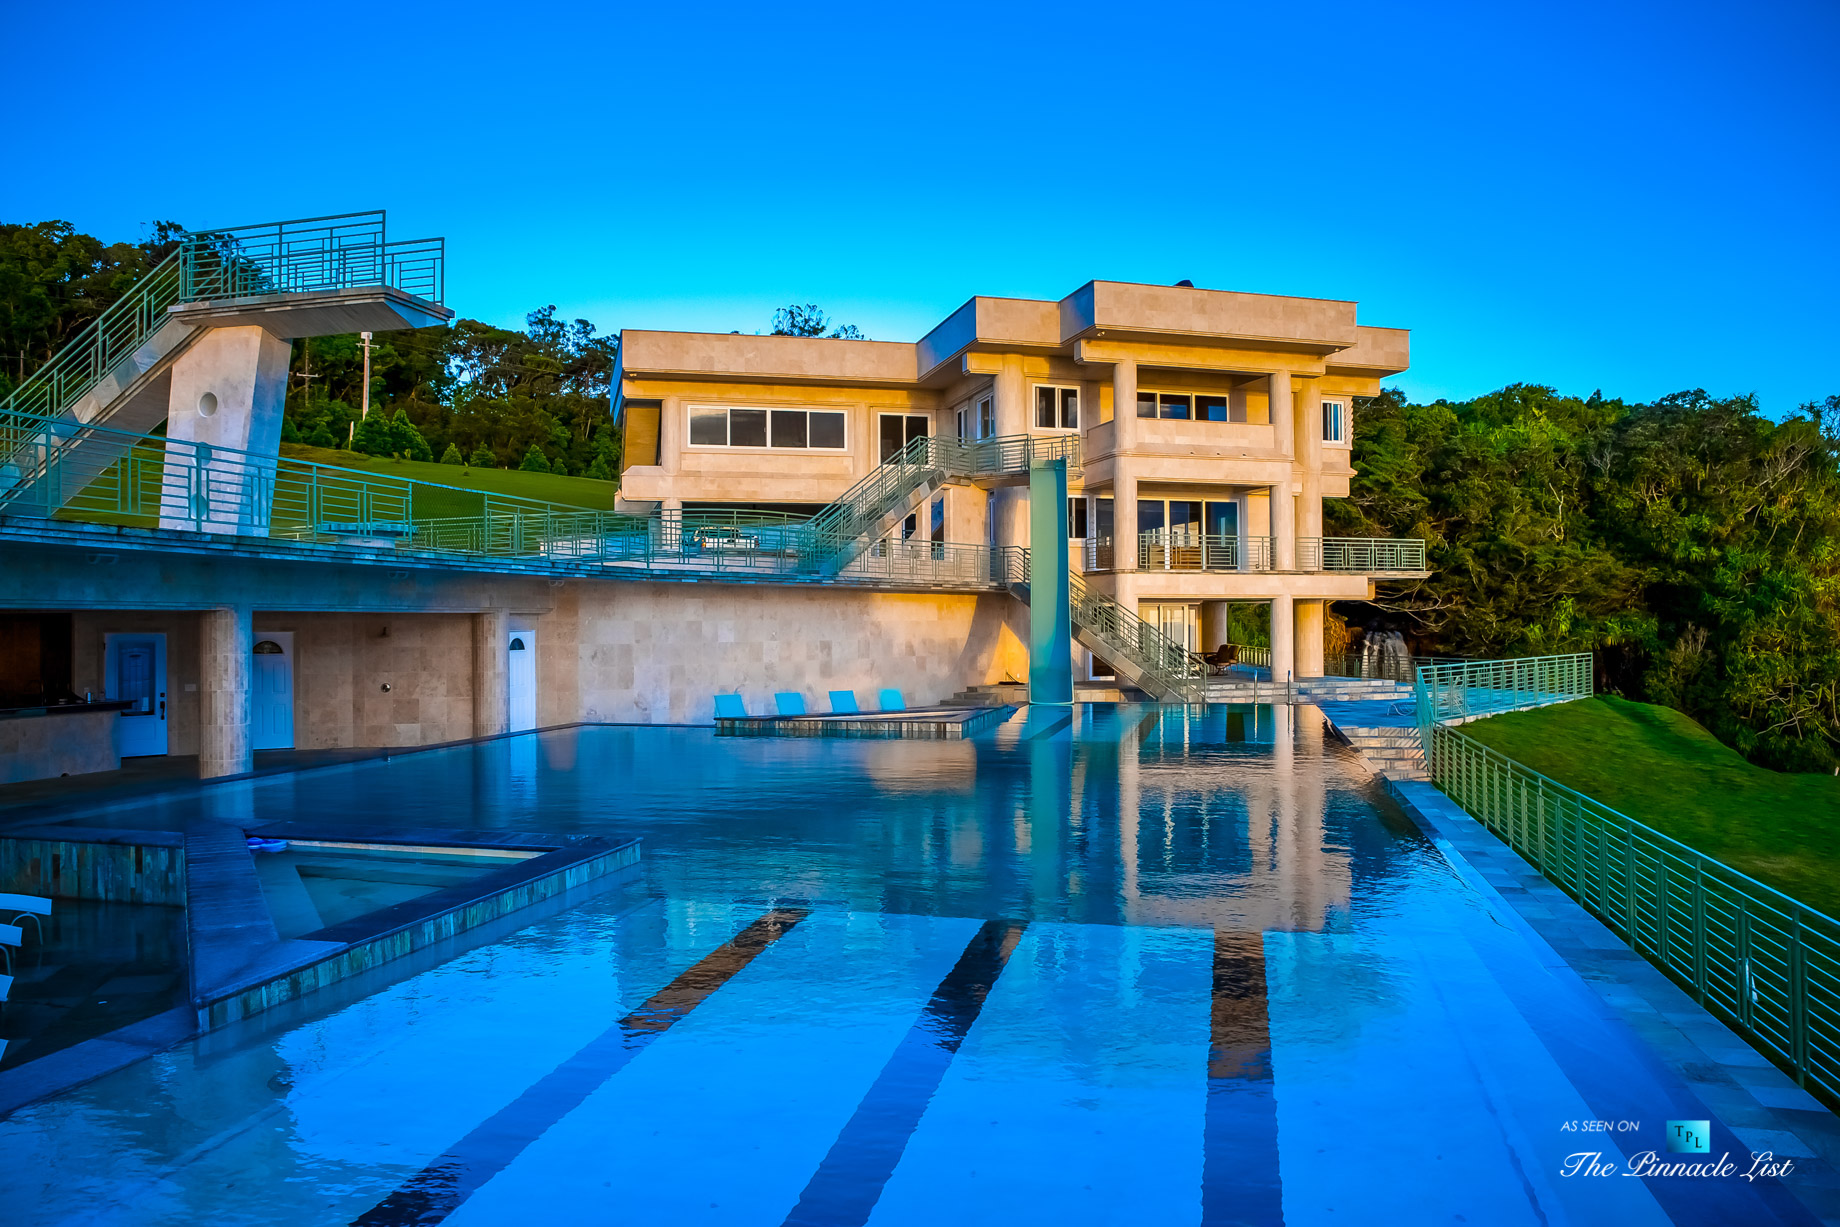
(1114, 965)
(314, 884)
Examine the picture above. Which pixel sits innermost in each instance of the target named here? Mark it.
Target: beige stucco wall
(87, 647)
(659, 653)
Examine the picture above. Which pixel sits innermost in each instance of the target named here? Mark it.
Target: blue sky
(1638, 198)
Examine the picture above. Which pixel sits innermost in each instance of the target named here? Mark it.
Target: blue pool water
(1120, 965)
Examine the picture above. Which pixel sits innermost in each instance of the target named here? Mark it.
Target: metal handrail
(1166, 668)
(1465, 690)
(1754, 957)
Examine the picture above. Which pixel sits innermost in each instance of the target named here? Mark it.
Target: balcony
(1185, 548)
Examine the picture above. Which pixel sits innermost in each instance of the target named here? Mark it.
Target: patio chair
(22, 906)
(6, 988)
(12, 937)
(843, 703)
(789, 702)
(730, 707)
(892, 701)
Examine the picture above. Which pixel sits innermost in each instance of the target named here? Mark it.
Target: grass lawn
(547, 487)
(1661, 768)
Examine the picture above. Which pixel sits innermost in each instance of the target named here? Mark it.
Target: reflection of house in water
(1248, 857)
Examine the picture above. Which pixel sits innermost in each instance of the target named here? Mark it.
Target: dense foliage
(1693, 543)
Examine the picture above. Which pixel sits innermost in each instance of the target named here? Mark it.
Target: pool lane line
(846, 1186)
(443, 1186)
(1240, 1185)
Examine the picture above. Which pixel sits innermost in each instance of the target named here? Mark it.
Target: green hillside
(1663, 769)
(547, 487)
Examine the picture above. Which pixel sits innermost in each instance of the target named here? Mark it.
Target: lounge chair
(843, 703)
(12, 937)
(892, 701)
(6, 988)
(730, 707)
(789, 702)
(21, 906)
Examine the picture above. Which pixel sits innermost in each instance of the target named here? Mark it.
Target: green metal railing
(313, 254)
(108, 340)
(1167, 670)
(844, 529)
(1363, 555)
(1752, 956)
(1463, 690)
(1186, 548)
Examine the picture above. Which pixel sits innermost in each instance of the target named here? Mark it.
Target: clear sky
(1637, 198)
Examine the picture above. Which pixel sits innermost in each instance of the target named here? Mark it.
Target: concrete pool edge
(350, 949)
(1761, 1105)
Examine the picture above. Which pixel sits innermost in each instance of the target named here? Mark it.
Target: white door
(134, 668)
(271, 684)
(521, 680)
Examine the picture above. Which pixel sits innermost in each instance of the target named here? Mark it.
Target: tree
(452, 455)
(374, 436)
(406, 440)
(809, 320)
(482, 458)
(534, 461)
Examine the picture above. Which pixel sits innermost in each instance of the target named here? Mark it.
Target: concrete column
(671, 522)
(491, 700)
(228, 390)
(1012, 407)
(1124, 515)
(1124, 405)
(1283, 640)
(1283, 414)
(1309, 653)
(224, 646)
(1213, 624)
(673, 430)
(1284, 528)
(1309, 441)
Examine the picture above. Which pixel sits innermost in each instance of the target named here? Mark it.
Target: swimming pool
(1113, 965)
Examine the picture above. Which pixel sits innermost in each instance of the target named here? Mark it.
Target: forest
(1692, 543)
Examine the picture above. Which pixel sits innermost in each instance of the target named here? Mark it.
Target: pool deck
(1762, 1106)
(945, 723)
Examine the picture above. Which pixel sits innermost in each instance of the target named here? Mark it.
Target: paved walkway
(1762, 1105)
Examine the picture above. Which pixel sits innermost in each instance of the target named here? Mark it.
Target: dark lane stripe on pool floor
(849, 1182)
(440, 1188)
(1239, 1163)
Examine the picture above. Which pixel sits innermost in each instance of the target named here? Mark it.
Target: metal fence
(319, 253)
(1757, 959)
(1464, 690)
(1186, 548)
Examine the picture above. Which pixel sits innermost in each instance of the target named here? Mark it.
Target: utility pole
(365, 411)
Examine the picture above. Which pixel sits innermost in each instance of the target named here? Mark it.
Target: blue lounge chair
(843, 703)
(892, 701)
(730, 707)
(789, 702)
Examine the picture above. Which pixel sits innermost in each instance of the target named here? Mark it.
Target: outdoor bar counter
(37, 743)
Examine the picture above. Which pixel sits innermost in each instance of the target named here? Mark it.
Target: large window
(724, 426)
(1335, 422)
(977, 420)
(1076, 517)
(1057, 408)
(900, 429)
(1196, 406)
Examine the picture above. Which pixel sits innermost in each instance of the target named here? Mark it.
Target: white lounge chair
(21, 906)
(11, 938)
(6, 988)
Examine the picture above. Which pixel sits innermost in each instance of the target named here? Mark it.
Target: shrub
(452, 455)
(534, 461)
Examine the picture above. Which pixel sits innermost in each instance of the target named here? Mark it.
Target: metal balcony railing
(1186, 548)
(315, 254)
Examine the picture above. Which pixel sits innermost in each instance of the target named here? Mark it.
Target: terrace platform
(947, 723)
